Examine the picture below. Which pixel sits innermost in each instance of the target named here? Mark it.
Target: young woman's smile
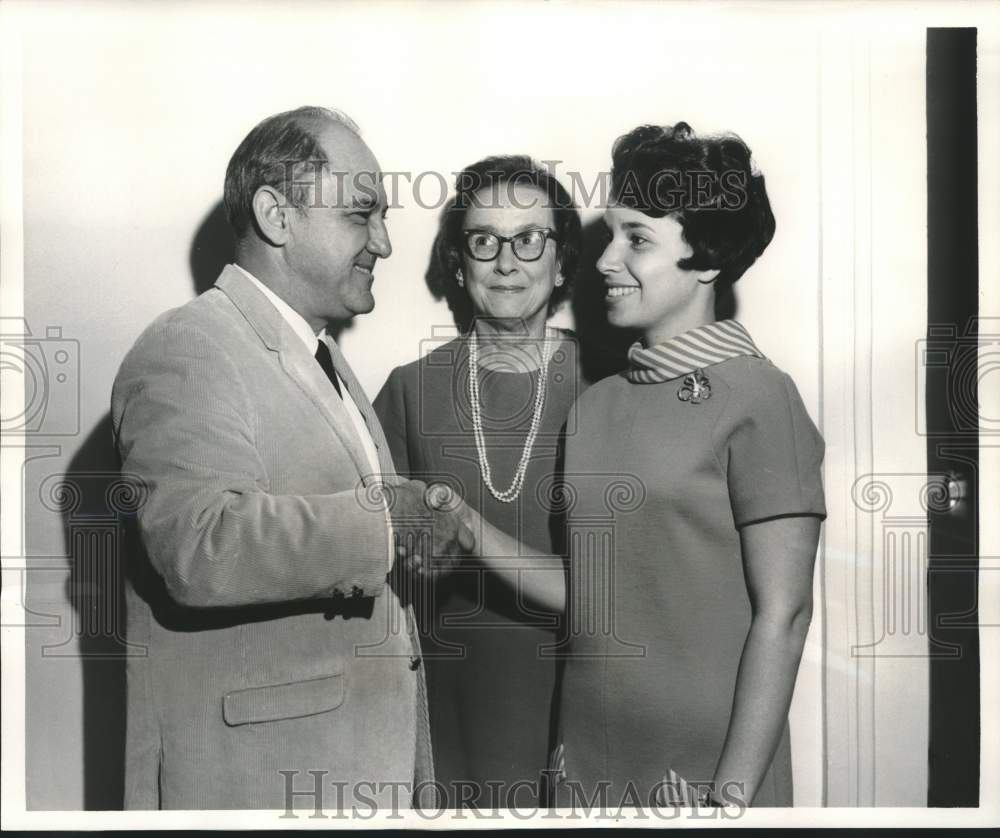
(644, 287)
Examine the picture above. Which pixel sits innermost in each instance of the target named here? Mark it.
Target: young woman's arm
(778, 558)
(539, 577)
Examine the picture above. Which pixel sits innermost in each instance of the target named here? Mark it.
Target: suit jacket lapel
(302, 367)
(295, 360)
(354, 387)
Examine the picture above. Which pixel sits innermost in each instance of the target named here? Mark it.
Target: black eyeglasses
(484, 246)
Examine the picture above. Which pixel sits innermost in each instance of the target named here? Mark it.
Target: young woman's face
(644, 287)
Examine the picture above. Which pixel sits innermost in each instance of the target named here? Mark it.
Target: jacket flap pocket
(283, 701)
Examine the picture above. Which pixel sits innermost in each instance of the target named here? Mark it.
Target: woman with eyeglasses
(483, 414)
(690, 564)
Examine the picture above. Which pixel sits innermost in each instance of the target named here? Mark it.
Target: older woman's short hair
(492, 172)
(709, 184)
(275, 153)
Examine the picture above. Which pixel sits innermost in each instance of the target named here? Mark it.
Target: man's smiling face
(340, 232)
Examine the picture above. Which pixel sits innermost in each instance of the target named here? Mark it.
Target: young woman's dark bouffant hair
(482, 176)
(709, 184)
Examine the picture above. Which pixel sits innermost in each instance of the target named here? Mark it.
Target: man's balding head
(284, 152)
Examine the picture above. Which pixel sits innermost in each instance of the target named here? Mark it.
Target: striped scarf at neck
(689, 352)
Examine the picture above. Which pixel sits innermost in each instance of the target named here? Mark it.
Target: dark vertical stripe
(952, 435)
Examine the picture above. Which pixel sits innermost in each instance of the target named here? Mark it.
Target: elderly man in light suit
(279, 659)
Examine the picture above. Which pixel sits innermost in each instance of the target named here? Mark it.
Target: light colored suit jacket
(273, 641)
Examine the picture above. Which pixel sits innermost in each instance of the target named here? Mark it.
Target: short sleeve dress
(657, 486)
(490, 692)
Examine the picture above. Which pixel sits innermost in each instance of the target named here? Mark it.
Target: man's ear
(272, 213)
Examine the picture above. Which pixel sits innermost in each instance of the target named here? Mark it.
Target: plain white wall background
(131, 114)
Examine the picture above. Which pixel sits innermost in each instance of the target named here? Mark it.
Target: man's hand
(432, 526)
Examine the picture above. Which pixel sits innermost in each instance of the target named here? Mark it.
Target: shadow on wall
(95, 544)
(212, 249)
(99, 538)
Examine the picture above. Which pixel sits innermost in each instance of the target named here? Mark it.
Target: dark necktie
(326, 362)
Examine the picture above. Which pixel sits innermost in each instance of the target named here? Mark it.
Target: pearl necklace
(510, 494)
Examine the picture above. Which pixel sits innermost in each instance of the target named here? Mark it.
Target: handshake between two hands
(433, 527)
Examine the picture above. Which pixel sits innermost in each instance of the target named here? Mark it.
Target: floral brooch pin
(695, 388)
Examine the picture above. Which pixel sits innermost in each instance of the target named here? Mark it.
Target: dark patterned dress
(490, 685)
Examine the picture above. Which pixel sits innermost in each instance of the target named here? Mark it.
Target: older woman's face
(508, 287)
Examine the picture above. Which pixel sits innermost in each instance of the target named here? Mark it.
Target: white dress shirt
(298, 325)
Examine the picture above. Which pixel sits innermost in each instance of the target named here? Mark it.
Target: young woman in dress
(694, 500)
(483, 414)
